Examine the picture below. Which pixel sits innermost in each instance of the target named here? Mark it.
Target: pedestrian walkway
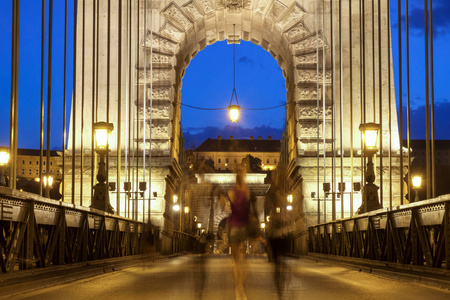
(211, 277)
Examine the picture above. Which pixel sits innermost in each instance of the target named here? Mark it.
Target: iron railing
(38, 232)
(417, 233)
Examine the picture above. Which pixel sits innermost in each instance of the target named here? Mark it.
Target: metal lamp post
(4, 159)
(100, 201)
(416, 183)
(370, 190)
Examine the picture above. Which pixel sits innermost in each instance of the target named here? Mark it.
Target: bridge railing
(416, 233)
(183, 242)
(39, 232)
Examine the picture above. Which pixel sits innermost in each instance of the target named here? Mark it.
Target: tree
(204, 166)
(251, 164)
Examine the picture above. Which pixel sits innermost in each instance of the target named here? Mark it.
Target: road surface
(191, 277)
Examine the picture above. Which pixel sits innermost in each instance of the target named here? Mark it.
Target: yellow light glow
(370, 138)
(102, 132)
(289, 207)
(199, 225)
(48, 181)
(263, 225)
(416, 181)
(101, 136)
(175, 198)
(268, 219)
(278, 209)
(233, 111)
(186, 209)
(370, 135)
(4, 158)
(289, 198)
(176, 207)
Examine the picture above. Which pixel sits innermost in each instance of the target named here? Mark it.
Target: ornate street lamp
(370, 190)
(102, 132)
(289, 198)
(48, 181)
(4, 159)
(234, 110)
(416, 183)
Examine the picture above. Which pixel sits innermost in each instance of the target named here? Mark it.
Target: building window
(267, 160)
(51, 163)
(23, 161)
(275, 161)
(37, 162)
(219, 161)
(23, 171)
(29, 172)
(235, 161)
(43, 171)
(37, 171)
(226, 160)
(44, 162)
(51, 171)
(30, 162)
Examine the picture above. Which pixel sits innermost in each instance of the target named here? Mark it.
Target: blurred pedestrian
(237, 222)
(278, 246)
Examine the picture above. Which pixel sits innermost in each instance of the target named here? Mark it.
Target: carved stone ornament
(233, 6)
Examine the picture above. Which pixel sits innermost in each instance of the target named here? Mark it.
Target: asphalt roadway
(194, 277)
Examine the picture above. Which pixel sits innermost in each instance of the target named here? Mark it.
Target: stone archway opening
(208, 82)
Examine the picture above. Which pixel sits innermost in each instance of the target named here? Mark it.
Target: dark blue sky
(259, 82)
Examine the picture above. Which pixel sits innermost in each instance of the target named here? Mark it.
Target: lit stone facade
(227, 154)
(296, 33)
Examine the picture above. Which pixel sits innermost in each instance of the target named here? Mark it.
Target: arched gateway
(139, 70)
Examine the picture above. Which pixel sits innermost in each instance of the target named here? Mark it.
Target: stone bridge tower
(157, 41)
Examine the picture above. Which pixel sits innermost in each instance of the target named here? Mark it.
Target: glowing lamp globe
(4, 158)
(416, 182)
(233, 111)
(102, 132)
(48, 181)
(370, 135)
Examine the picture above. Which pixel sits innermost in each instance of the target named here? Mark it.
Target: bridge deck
(190, 277)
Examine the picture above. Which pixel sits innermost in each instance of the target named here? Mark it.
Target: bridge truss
(38, 232)
(417, 233)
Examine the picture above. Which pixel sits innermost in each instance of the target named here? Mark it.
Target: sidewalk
(437, 277)
(37, 278)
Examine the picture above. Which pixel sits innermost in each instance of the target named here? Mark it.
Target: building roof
(31, 152)
(232, 145)
(420, 144)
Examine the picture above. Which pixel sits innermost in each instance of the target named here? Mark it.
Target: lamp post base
(369, 199)
(101, 198)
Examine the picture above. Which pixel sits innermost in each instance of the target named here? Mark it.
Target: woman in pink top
(240, 207)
